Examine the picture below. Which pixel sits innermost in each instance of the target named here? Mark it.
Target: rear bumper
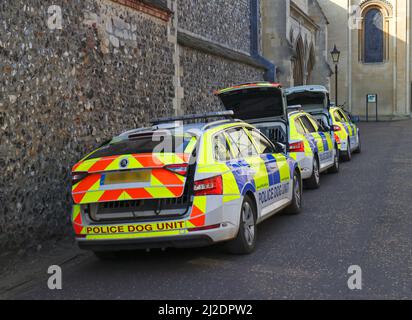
(150, 243)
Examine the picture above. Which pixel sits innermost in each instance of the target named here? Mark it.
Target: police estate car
(308, 141)
(346, 132)
(179, 184)
(314, 99)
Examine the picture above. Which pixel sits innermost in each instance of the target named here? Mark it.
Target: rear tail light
(337, 138)
(210, 186)
(78, 176)
(178, 168)
(297, 147)
(336, 128)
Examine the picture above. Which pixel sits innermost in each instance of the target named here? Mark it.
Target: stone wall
(224, 21)
(204, 73)
(109, 68)
(65, 91)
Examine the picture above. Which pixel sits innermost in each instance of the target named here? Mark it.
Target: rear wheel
(314, 181)
(296, 205)
(347, 155)
(335, 168)
(245, 241)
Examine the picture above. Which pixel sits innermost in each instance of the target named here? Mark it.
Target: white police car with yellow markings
(307, 141)
(180, 184)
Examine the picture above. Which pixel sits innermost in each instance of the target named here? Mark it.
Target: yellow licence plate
(127, 177)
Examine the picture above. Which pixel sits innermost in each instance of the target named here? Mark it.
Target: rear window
(147, 144)
(254, 103)
(308, 101)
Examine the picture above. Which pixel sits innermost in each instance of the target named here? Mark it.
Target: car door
(352, 129)
(345, 122)
(277, 171)
(311, 135)
(244, 166)
(327, 155)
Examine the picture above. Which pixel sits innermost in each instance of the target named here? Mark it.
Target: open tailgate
(254, 101)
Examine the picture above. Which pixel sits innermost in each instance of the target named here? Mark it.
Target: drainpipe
(270, 74)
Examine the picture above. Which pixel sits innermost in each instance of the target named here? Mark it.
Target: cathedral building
(374, 37)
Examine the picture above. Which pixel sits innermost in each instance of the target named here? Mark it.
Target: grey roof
(310, 88)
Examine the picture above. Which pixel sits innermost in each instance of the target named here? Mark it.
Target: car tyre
(347, 155)
(314, 181)
(296, 204)
(336, 164)
(245, 241)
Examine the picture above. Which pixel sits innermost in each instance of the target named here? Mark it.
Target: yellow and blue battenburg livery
(308, 140)
(183, 182)
(346, 132)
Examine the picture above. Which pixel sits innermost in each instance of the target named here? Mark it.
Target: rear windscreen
(146, 144)
(254, 103)
(309, 100)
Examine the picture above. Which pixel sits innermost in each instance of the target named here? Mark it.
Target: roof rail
(225, 114)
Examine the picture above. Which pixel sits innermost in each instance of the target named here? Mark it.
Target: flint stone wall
(64, 91)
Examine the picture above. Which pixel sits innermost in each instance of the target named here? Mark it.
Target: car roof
(294, 114)
(200, 127)
(310, 88)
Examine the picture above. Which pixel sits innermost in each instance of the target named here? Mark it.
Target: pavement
(361, 216)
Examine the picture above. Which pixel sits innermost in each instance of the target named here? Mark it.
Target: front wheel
(245, 241)
(314, 181)
(296, 204)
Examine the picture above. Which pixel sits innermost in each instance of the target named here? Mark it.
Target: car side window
(299, 126)
(263, 144)
(345, 116)
(241, 144)
(307, 124)
(314, 122)
(221, 148)
(337, 116)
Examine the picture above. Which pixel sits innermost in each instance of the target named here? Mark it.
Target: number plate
(127, 177)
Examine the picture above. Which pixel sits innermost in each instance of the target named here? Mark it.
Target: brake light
(336, 128)
(337, 138)
(78, 176)
(210, 186)
(178, 168)
(297, 147)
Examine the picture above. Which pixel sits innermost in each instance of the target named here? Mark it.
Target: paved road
(360, 217)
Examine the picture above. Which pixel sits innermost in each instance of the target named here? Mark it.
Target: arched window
(373, 36)
(374, 32)
(299, 64)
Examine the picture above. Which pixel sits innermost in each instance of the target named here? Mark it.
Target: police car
(314, 99)
(346, 132)
(309, 142)
(182, 184)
